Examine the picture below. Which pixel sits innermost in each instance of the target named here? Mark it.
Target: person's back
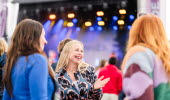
(24, 69)
(149, 72)
(160, 79)
(146, 65)
(112, 89)
(115, 84)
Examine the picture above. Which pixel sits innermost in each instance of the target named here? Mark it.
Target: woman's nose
(45, 41)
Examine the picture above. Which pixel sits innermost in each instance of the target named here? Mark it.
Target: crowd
(144, 73)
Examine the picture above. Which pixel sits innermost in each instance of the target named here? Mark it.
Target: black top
(53, 65)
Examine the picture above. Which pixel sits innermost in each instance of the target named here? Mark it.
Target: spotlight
(88, 23)
(115, 18)
(91, 28)
(89, 6)
(24, 11)
(120, 22)
(124, 3)
(101, 23)
(122, 11)
(52, 17)
(100, 13)
(99, 19)
(74, 20)
(105, 5)
(115, 28)
(99, 28)
(37, 11)
(49, 10)
(131, 17)
(78, 29)
(75, 7)
(129, 27)
(71, 15)
(70, 24)
(62, 9)
(65, 23)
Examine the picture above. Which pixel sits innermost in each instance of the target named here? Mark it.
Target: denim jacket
(85, 82)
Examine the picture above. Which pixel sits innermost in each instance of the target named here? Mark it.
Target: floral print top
(85, 81)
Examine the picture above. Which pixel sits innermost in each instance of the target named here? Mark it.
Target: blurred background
(102, 25)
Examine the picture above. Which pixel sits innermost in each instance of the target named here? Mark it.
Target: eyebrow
(78, 48)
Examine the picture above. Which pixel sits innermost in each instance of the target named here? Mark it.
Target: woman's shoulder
(38, 55)
(140, 55)
(37, 58)
(139, 51)
(135, 49)
(138, 48)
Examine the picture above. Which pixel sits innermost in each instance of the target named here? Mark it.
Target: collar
(61, 72)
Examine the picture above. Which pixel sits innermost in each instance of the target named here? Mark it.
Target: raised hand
(101, 83)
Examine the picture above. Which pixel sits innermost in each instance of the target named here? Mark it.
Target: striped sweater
(144, 77)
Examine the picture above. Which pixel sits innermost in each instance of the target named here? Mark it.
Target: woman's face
(76, 53)
(43, 41)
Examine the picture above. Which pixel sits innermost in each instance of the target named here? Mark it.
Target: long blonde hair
(3, 46)
(148, 31)
(64, 57)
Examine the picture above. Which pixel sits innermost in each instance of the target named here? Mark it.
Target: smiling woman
(76, 79)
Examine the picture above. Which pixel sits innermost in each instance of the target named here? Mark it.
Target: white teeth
(78, 57)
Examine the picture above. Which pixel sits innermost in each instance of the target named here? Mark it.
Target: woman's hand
(101, 83)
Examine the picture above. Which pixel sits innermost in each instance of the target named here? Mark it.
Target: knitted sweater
(144, 75)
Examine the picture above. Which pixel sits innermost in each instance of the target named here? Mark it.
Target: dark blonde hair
(102, 63)
(25, 41)
(148, 31)
(62, 44)
(3, 46)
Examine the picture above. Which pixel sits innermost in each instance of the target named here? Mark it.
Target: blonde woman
(76, 79)
(146, 66)
(3, 50)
